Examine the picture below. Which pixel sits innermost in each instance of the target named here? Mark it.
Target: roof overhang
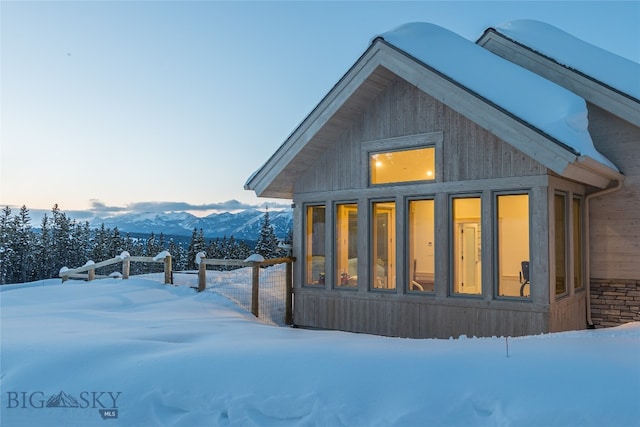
(371, 74)
(592, 172)
(592, 90)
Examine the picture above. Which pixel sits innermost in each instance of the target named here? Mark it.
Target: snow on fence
(265, 292)
(88, 271)
(263, 287)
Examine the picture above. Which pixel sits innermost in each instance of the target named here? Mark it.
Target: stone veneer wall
(614, 302)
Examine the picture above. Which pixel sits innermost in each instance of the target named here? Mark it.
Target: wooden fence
(87, 272)
(255, 279)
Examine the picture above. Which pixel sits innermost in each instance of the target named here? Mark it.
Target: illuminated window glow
(315, 251)
(422, 244)
(346, 246)
(402, 166)
(513, 245)
(384, 250)
(467, 238)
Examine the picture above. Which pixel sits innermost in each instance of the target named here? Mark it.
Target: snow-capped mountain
(242, 225)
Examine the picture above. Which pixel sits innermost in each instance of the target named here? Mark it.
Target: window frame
(452, 246)
(372, 251)
(305, 225)
(400, 150)
(496, 244)
(567, 269)
(581, 231)
(335, 282)
(409, 142)
(407, 242)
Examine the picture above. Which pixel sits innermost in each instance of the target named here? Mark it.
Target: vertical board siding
(470, 152)
(412, 319)
(568, 314)
(615, 218)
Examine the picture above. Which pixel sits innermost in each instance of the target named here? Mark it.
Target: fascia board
(499, 122)
(592, 90)
(592, 172)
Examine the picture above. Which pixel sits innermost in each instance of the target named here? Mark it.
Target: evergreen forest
(28, 254)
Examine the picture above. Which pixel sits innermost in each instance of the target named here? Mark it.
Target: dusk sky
(159, 106)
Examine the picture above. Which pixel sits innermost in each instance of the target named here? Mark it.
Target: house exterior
(610, 85)
(442, 190)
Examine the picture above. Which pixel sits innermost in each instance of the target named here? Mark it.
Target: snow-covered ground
(137, 353)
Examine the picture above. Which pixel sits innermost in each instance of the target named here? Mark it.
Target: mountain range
(244, 224)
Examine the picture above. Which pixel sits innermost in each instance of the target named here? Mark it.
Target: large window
(513, 245)
(560, 242)
(578, 281)
(422, 246)
(384, 245)
(467, 238)
(315, 261)
(402, 166)
(346, 245)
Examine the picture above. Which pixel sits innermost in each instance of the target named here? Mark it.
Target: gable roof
(599, 76)
(541, 119)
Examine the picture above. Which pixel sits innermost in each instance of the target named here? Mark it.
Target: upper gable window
(387, 167)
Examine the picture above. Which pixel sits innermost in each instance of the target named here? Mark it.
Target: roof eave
(274, 179)
(591, 89)
(592, 172)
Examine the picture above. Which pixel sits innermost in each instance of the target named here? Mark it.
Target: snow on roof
(615, 71)
(534, 99)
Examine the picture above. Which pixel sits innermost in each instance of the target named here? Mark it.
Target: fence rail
(257, 264)
(90, 267)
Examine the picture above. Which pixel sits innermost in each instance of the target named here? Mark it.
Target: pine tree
(82, 243)
(6, 245)
(197, 244)
(267, 244)
(178, 259)
(244, 250)
(100, 251)
(213, 250)
(153, 246)
(44, 264)
(61, 238)
(162, 245)
(116, 245)
(23, 246)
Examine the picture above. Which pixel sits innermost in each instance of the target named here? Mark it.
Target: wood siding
(470, 152)
(615, 217)
(471, 160)
(569, 313)
(416, 317)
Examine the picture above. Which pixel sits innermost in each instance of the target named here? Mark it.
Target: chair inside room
(421, 281)
(524, 277)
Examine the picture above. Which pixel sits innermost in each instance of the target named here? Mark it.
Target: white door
(469, 258)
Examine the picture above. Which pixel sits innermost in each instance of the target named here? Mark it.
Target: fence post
(202, 275)
(126, 268)
(288, 316)
(255, 279)
(91, 274)
(168, 276)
